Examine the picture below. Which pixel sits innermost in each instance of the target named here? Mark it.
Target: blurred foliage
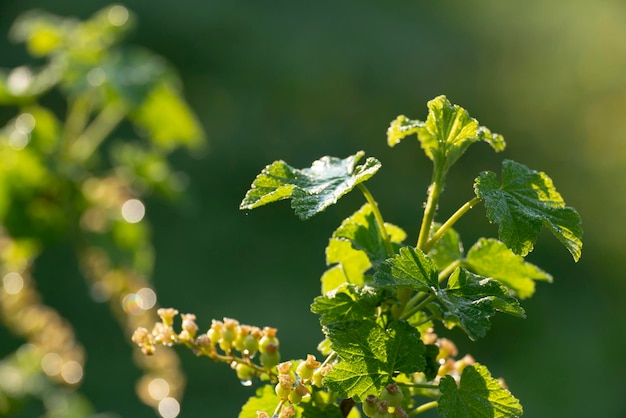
(295, 81)
(67, 178)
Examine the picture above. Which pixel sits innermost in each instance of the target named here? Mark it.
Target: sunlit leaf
(313, 189)
(370, 355)
(411, 268)
(491, 258)
(477, 395)
(525, 201)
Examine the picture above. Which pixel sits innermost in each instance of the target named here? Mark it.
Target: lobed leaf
(492, 258)
(411, 268)
(350, 266)
(361, 230)
(346, 304)
(370, 355)
(524, 202)
(447, 133)
(470, 300)
(311, 189)
(477, 395)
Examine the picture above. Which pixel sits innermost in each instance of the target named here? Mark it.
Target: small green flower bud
(370, 406)
(392, 394)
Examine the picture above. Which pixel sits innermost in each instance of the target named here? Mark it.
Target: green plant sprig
(379, 294)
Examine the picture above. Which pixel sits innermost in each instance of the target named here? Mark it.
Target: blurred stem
(103, 124)
(423, 408)
(449, 223)
(77, 115)
(379, 218)
(409, 313)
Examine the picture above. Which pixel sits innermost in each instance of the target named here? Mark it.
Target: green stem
(448, 270)
(77, 116)
(448, 224)
(423, 408)
(431, 206)
(418, 385)
(379, 218)
(98, 131)
(407, 314)
(278, 407)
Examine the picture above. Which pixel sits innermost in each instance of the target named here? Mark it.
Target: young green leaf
(477, 395)
(362, 232)
(350, 265)
(347, 303)
(400, 128)
(524, 202)
(311, 189)
(470, 300)
(411, 268)
(370, 355)
(491, 258)
(447, 133)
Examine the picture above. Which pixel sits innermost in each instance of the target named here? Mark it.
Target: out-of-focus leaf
(168, 120)
(447, 249)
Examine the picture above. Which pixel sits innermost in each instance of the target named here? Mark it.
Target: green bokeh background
(298, 80)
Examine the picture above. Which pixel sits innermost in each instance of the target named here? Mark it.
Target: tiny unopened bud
(288, 411)
(189, 324)
(167, 315)
(400, 413)
(140, 336)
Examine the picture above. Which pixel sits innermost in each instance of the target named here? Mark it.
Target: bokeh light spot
(96, 77)
(131, 304)
(118, 15)
(72, 372)
(25, 123)
(169, 408)
(133, 211)
(147, 298)
(13, 283)
(158, 388)
(52, 363)
(18, 140)
(19, 80)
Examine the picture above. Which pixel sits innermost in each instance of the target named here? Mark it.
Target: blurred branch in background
(71, 178)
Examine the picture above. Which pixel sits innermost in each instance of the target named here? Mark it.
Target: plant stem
(431, 206)
(379, 218)
(278, 407)
(423, 408)
(418, 307)
(448, 224)
(448, 270)
(77, 115)
(97, 131)
(418, 385)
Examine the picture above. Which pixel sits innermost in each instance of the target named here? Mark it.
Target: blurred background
(296, 81)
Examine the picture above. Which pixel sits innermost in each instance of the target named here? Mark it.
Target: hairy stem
(449, 223)
(434, 191)
(379, 218)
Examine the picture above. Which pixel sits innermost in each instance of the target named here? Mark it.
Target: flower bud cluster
(448, 363)
(387, 405)
(226, 341)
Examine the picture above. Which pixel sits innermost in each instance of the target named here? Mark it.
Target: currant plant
(382, 298)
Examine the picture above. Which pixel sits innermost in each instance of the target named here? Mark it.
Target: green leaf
(265, 400)
(370, 355)
(470, 300)
(350, 268)
(311, 189)
(491, 258)
(447, 133)
(524, 202)
(478, 395)
(400, 128)
(362, 232)
(348, 303)
(411, 267)
(168, 119)
(447, 249)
